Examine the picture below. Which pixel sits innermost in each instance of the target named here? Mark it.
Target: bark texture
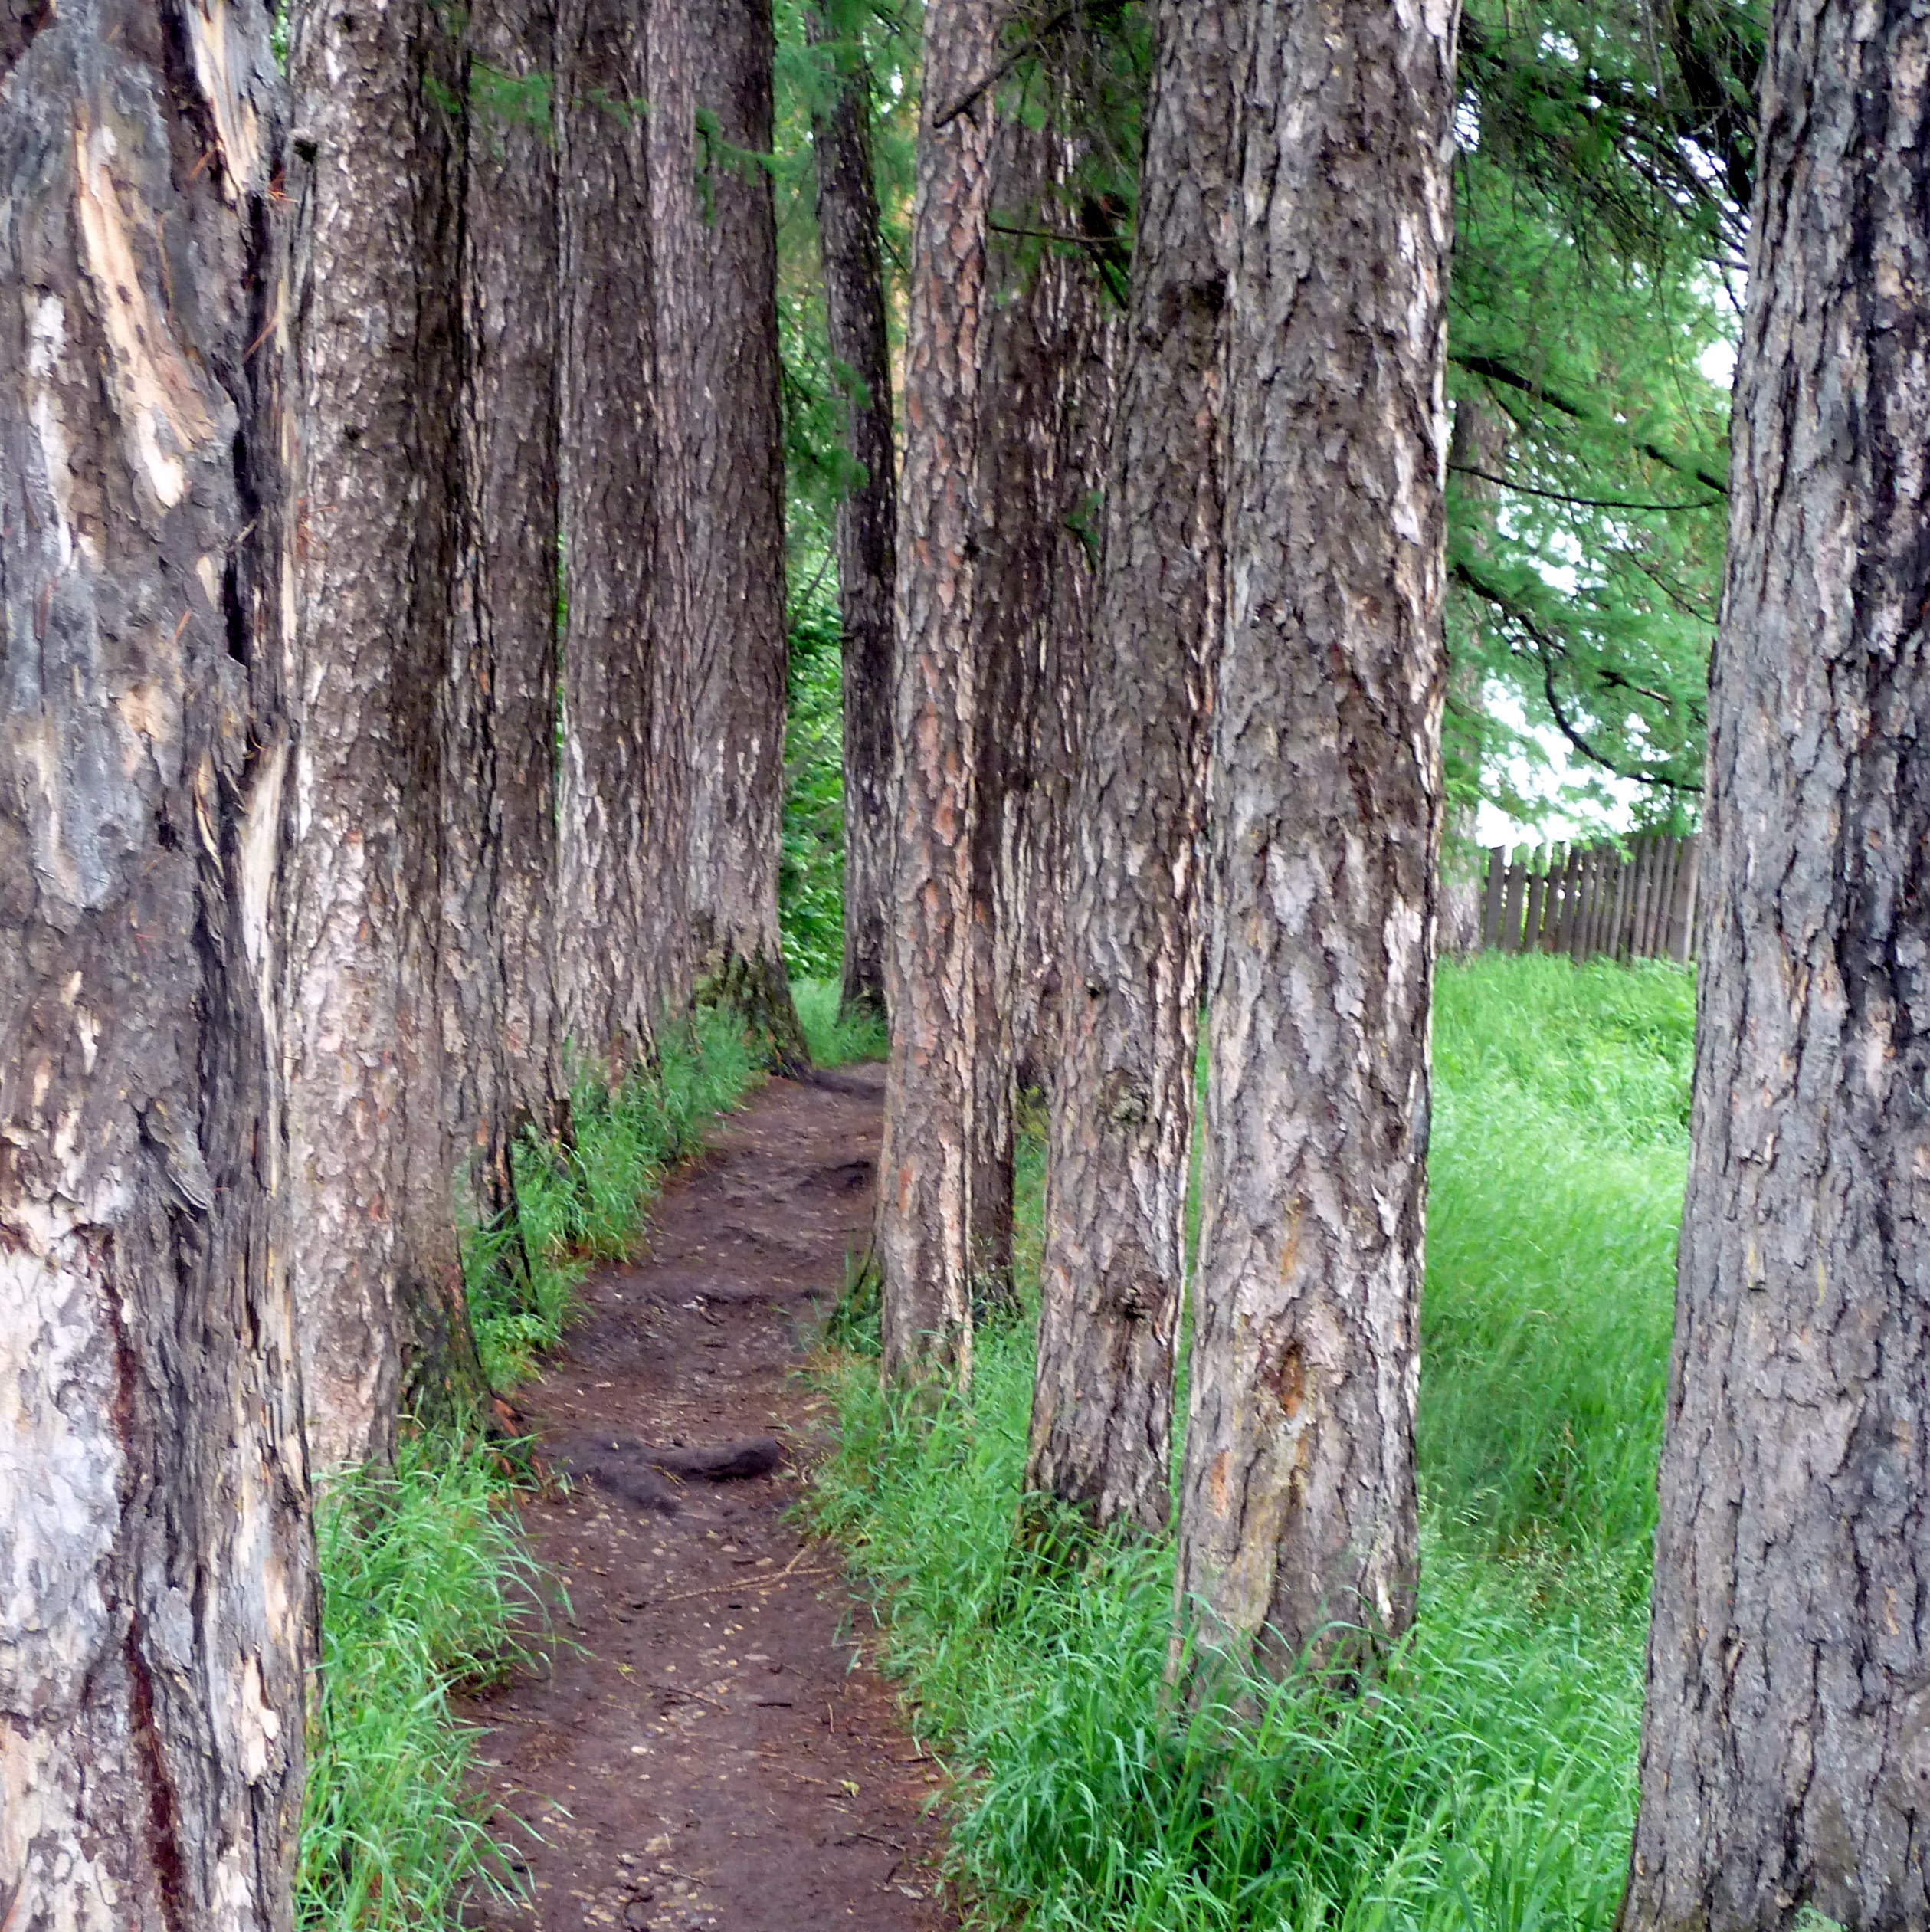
(503, 1047)
(739, 663)
(1121, 1125)
(372, 1242)
(1297, 1510)
(624, 115)
(156, 1609)
(1051, 357)
(867, 515)
(1786, 1739)
(923, 1242)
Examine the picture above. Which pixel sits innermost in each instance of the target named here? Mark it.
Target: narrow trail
(710, 1748)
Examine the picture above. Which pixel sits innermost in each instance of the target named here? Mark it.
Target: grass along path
(1487, 1784)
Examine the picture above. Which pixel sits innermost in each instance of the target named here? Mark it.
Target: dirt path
(715, 1753)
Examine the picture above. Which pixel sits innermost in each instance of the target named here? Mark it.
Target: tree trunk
(504, 1050)
(157, 1604)
(372, 1242)
(1121, 1125)
(739, 661)
(924, 1207)
(624, 951)
(1047, 394)
(1786, 1740)
(867, 515)
(1297, 1530)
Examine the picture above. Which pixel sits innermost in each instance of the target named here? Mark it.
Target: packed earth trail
(709, 1747)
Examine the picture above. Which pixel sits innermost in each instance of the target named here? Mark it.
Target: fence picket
(1491, 897)
(1510, 903)
(1593, 901)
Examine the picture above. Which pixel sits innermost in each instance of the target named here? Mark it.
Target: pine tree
(1298, 1514)
(1121, 1122)
(923, 1241)
(1786, 1735)
(157, 1619)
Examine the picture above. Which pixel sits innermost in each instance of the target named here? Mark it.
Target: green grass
(586, 1202)
(426, 1584)
(1487, 1782)
(836, 1038)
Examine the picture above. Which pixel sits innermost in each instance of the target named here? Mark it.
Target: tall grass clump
(426, 1587)
(585, 1202)
(1486, 1779)
(836, 1037)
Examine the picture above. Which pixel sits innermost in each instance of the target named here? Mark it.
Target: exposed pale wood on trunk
(156, 1603)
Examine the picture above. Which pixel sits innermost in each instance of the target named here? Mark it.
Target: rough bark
(623, 118)
(867, 517)
(1297, 1529)
(1786, 1739)
(1121, 1124)
(503, 1048)
(372, 1242)
(738, 658)
(923, 1242)
(156, 1600)
(1045, 412)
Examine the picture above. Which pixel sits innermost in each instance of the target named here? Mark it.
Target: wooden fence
(1632, 902)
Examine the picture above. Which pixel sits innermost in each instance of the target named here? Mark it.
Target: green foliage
(1487, 1781)
(586, 1201)
(1599, 199)
(810, 869)
(877, 40)
(426, 1587)
(836, 1038)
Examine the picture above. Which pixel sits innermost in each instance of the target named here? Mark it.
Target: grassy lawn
(1488, 1781)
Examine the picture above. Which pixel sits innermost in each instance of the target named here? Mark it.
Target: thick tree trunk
(1121, 1120)
(867, 518)
(1047, 385)
(1297, 1509)
(735, 492)
(624, 110)
(156, 1609)
(924, 1206)
(372, 1243)
(1786, 1740)
(504, 1049)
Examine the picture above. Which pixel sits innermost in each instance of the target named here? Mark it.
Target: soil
(710, 1747)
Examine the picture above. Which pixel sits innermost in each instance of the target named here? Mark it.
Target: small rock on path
(710, 1748)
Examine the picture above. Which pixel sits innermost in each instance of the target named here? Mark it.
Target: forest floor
(707, 1747)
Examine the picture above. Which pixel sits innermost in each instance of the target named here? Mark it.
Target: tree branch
(1548, 650)
(973, 96)
(1494, 370)
(1562, 496)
